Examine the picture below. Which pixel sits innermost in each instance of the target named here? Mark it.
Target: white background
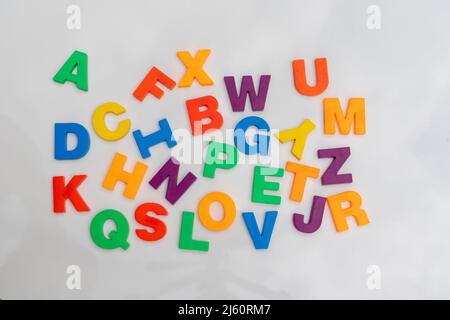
(400, 167)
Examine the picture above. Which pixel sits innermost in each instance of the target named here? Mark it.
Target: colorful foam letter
(229, 211)
(299, 136)
(186, 241)
(142, 217)
(301, 173)
(163, 134)
(300, 82)
(194, 68)
(214, 161)
(63, 192)
(99, 124)
(62, 130)
(115, 239)
(261, 240)
(355, 114)
(261, 142)
(260, 185)
(148, 85)
(170, 172)
(78, 60)
(339, 155)
(340, 213)
(257, 101)
(204, 108)
(132, 180)
(315, 217)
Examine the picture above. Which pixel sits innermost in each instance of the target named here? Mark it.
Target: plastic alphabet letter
(339, 155)
(213, 160)
(144, 219)
(261, 240)
(260, 185)
(315, 218)
(62, 130)
(99, 124)
(301, 173)
(163, 134)
(148, 85)
(186, 241)
(300, 82)
(115, 239)
(78, 60)
(257, 101)
(194, 68)
(355, 115)
(340, 213)
(299, 136)
(63, 192)
(229, 211)
(261, 145)
(197, 114)
(132, 180)
(170, 171)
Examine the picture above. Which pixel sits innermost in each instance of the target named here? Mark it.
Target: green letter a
(78, 60)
